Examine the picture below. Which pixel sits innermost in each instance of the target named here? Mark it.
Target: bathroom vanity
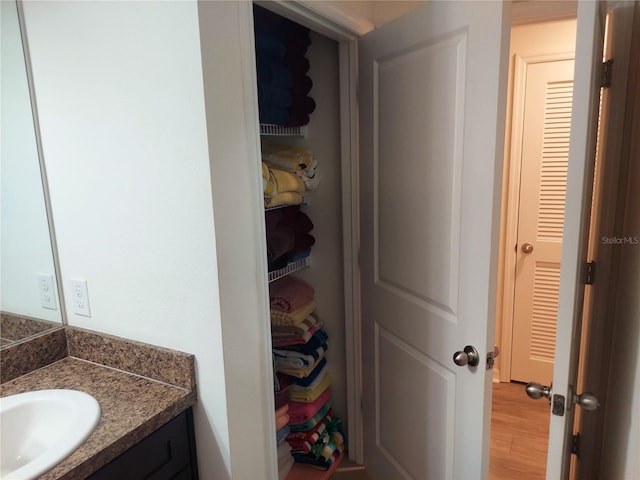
(145, 395)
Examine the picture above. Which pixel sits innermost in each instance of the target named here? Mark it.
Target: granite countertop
(139, 388)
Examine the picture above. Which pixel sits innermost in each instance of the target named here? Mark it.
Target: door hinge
(575, 444)
(590, 273)
(606, 73)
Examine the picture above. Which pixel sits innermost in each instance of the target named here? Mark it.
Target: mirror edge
(43, 170)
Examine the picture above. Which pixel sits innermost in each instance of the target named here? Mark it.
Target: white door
(584, 123)
(544, 158)
(432, 96)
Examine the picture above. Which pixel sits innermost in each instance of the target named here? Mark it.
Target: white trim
(238, 209)
(311, 15)
(351, 234)
(513, 201)
(584, 121)
(525, 12)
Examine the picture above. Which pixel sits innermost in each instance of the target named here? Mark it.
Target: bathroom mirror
(30, 302)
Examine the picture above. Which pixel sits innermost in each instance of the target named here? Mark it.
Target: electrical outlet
(80, 296)
(47, 291)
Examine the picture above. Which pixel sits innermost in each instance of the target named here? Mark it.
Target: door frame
(332, 22)
(511, 204)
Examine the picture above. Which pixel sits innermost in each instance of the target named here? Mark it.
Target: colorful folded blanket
(313, 421)
(296, 359)
(304, 442)
(290, 293)
(301, 356)
(309, 395)
(295, 317)
(328, 455)
(301, 372)
(295, 438)
(302, 389)
(317, 371)
(300, 412)
(288, 335)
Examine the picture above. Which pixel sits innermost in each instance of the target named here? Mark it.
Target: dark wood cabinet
(169, 453)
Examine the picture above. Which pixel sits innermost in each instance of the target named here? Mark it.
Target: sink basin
(41, 428)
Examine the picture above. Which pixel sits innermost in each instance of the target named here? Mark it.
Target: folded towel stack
(283, 161)
(283, 83)
(299, 352)
(288, 237)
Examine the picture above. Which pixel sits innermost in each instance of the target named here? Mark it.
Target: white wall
(120, 95)
(24, 231)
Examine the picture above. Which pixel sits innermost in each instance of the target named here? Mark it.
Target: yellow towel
(291, 159)
(284, 198)
(292, 318)
(287, 181)
(268, 181)
(301, 394)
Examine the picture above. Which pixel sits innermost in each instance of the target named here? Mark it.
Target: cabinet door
(166, 454)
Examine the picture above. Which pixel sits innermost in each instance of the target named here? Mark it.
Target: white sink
(41, 428)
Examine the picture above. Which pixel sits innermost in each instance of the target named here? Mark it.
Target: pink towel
(282, 420)
(302, 412)
(290, 293)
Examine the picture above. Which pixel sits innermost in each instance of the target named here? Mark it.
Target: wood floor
(519, 434)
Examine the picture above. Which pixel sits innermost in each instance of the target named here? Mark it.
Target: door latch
(557, 405)
(537, 391)
(491, 357)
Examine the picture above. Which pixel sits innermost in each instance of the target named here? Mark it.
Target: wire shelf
(278, 130)
(289, 269)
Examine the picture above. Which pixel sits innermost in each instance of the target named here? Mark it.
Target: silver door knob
(526, 248)
(588, 401)
(537, 391)
(469, 356)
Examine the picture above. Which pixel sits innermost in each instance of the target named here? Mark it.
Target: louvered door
(545, 148)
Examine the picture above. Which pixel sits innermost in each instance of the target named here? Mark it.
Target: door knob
(527, 248)
(588, 401)
(469, 356)
(537, 391)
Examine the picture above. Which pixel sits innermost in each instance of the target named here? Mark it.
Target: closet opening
(307, 169)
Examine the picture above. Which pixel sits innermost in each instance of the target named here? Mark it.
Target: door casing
(510, 198)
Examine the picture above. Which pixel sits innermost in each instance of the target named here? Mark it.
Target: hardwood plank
(519, 434)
